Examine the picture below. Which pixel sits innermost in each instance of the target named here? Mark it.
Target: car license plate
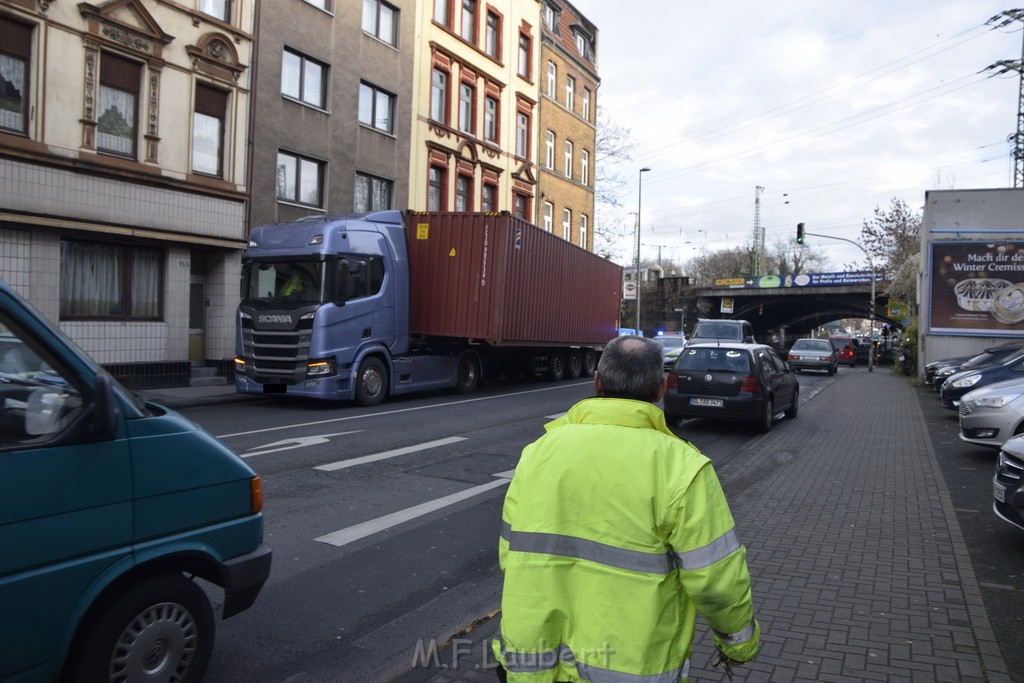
(707, 402)
(999, 491)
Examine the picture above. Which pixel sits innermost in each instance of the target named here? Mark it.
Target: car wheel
(371, 382)
(469, 374)
(161, 628)
(794, 407)
(764, 423)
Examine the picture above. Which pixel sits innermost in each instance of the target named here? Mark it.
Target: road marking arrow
(296, 442)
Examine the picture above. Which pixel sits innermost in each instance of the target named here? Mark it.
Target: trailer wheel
(469, 374)
(589, 362)
(574, 366)
(556, 365)
(159, 629)
(371, 382)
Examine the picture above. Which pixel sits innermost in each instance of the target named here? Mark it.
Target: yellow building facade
(475, 114)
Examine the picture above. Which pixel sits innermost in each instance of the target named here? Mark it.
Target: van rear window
(713, 359)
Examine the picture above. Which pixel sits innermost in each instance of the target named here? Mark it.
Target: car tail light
(673, 381)
(792, 356)
(750, 384)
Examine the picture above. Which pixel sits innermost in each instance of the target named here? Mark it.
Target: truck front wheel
(161, 628)
(371, 382)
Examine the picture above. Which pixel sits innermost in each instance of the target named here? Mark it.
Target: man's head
(631, 367)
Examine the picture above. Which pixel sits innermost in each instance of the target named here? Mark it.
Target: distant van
(722, 329)
(109, 510)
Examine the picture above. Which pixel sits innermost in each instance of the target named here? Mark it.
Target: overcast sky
(833, 108)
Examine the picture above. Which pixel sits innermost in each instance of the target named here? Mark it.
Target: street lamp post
(636, 262)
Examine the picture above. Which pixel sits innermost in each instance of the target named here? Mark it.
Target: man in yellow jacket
(615, 533)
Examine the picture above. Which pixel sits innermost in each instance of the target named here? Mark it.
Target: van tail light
(750, 384)
(256, 493)
(673, 381)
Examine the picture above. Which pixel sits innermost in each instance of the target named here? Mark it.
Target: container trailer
(365, 306)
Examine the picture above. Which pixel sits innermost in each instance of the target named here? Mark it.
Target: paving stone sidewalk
(860, 568)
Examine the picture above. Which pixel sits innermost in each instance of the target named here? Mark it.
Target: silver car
(992, 414)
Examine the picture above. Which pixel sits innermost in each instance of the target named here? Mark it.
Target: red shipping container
(498, 279)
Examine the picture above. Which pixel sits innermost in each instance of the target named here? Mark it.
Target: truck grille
(277, 356)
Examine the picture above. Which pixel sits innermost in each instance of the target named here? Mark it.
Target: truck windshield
(280, 282)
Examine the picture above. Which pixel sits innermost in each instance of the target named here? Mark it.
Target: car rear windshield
(840, 342)
(812, 345)
(714, 359)
(713, 330)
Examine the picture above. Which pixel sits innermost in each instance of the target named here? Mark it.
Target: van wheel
(469, 374)
(574, 364)
(764, 423)
(371, 382)
(556, 366)
(159, 629)
(589, 362)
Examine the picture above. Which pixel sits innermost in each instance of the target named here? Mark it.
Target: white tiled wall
(120, 342)
(222, 288)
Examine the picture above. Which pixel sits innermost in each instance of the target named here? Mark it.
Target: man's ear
(662, 385)
(598, 388)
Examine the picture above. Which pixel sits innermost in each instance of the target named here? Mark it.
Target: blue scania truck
(365, 306)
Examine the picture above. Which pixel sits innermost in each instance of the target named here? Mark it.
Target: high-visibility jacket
(615, 533)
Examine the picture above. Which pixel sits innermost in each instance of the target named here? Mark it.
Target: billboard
(799, 280)
(976, 288)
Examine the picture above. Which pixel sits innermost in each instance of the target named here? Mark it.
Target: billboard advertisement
(976, 288)
(799, 280)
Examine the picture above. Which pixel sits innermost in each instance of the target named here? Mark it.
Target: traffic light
(799, 233)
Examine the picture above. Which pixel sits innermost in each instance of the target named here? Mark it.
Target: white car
(672, 345)
(992, 414)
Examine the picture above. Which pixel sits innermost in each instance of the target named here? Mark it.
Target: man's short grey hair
(631, 367)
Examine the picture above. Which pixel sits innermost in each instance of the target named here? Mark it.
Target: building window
(208, 130)
(568, 159)
(521, 206)
(468, 27)
(117, 124)
(585, 167)
(218, 9)
(435, 188)
(376, 108)
(15, 56)
(549, 149)
(586, 103)
(567, 223)
(325, 5)
(522, 135)
(443, 13)
(464, 193)
(371, 193)
(380, 20)
(582, 43)
(570, 92)
(300, 179)
(487, 194)
(549, 210)
(491, 119)
(303, 79)
(548, 14)
(492, 39)
(439, 96)
(102, 280)
(583, 230)
(525, 46)
(552, 75)
(467, 96)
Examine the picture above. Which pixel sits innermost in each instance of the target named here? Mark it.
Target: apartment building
(333, 107)
(123, 180)
(567, 123)
(474, 126)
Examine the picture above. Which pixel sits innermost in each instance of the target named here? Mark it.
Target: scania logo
(275, 319)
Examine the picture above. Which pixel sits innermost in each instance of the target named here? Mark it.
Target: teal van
(110, 510)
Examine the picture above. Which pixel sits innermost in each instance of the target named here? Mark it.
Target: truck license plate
(999, 491)
(707, 402)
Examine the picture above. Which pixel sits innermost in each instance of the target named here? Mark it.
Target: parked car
(989, 356)
(813, 354)
(953, 389)
(722, 329)
(672, 345)
(992, 414)
(731, 381)
(1008, 483)
(847, 350)
(930, 369)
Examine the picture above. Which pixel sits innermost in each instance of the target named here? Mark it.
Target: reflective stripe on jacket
(615, 533)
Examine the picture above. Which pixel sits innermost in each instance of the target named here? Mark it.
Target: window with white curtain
(219, 9)
(381, 21)
(300, 179)
(118, 114)
(106, 280)
(371, 193)
(15, 57)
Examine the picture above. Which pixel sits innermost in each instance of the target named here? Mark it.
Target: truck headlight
(319, 368)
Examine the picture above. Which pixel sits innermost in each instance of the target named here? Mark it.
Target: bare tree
(892, 237)
(788, 258)
(612, 225)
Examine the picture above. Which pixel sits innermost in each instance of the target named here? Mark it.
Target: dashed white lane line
(374, 457)
(374, 526)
